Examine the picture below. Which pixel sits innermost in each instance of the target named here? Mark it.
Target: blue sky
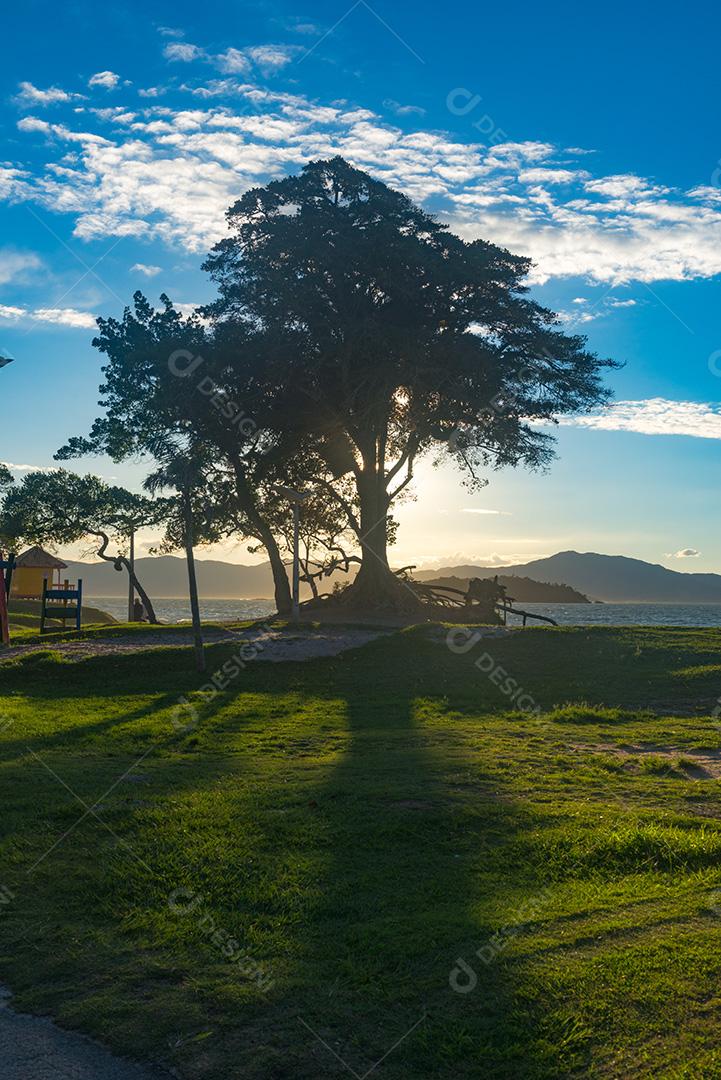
(591, 143)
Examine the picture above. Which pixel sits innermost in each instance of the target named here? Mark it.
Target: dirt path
(274, 645)
(32, 1048)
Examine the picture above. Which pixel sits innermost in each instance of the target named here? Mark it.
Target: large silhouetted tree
(398, 337)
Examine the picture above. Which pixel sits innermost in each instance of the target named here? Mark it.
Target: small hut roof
(36, 558)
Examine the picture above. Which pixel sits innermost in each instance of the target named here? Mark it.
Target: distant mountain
(165, 576)
(612, 578)
(522, 589)
(600, 577)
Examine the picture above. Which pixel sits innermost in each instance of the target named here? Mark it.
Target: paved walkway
(32, 1048)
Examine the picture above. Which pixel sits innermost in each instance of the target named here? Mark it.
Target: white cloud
(13, 467)
(182, 51)
(115, 114)
(474, 510)
(620, 186)
(404, 110)
(549, 176)
(69, 317)
(684, 553)
(65, 317)
(493, 558)
(654, 416)
(266, 58)
(232, 61)
(33, 95)
(585, 312)
(147, 271)
(34, 124)
(15, 265)
(307, 28)
(270, 58)
(185, 308)
(577, 318)
(107, 79)
(13, 182)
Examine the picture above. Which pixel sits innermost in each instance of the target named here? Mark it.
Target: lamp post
(131, 586)
(297, 498)
(6, 578)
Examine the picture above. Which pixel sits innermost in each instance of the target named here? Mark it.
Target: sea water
(178, 610)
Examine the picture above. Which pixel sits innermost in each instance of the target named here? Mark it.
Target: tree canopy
(392, 338)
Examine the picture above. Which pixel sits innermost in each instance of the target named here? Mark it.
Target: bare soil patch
(699, 764)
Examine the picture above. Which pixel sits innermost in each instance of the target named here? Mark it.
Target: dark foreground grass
(307, 871)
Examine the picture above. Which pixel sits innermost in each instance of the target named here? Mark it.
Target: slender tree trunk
(192, 582)
(283, 600)
(147, 603)
(115, 559)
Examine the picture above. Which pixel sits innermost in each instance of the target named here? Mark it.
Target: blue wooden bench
(54, 604)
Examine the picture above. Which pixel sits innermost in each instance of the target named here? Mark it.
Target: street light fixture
(297, 498)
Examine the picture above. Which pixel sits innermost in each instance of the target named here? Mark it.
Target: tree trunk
(283, 600)
(192, 582)
(147, 604)
(376, 588)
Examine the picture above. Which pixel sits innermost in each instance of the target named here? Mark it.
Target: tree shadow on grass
(403, 882)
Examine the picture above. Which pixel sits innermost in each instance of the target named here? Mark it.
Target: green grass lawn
(297, 874)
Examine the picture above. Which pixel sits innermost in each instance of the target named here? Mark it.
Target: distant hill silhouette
(599, 577)
(165, 577)
(523, 589)
(612, 578)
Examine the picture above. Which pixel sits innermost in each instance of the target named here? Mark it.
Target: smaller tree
(60, 507)
(197, 513)
(168, 382)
